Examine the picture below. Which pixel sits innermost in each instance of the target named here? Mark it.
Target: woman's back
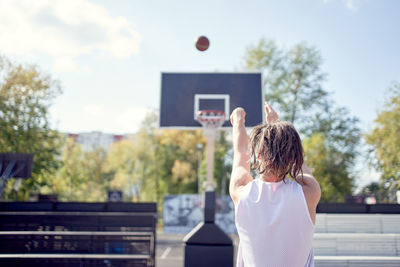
(274, 225)
(274, 216)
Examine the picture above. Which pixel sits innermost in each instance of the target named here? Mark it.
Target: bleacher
(357, 240)
(358, 223)
(77, 234)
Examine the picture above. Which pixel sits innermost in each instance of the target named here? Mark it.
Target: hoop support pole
(210, 185)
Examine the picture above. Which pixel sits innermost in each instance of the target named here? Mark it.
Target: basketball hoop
(211, 119)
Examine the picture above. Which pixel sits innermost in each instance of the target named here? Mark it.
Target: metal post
(210, 185)
(199, 151)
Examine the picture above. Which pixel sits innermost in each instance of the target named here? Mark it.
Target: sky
(109, 55)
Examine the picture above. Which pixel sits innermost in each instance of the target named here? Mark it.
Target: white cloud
(65, 30)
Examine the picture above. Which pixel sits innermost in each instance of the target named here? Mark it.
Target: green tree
(154, 161)
(327, 166)
(293, 81)
(182, 146)
(181, 158)
(158, 161)
(81, 176)
(125, 164)
(25, 97)
(374, 189)
(384, 140)
(340, 130)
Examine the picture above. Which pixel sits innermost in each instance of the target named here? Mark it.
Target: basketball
(202, 43)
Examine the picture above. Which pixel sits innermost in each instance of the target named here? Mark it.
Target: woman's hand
(270, 114)
(238, 116)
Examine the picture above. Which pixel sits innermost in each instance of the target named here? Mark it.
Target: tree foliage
(293, 81)
(384, 140)
(146, 166)
(164, 162)
(81, 176)
(327, 164)
(25, 97)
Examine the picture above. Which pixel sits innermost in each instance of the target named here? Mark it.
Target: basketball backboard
(15, 165)
(183, 94)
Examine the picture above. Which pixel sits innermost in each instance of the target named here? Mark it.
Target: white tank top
(274, 225)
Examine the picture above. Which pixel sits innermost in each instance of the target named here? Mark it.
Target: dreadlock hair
(276, 149)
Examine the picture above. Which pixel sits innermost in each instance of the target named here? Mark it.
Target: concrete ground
(170, 250)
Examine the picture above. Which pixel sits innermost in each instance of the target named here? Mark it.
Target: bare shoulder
(311, 189)
(312, 194)
(240, 177)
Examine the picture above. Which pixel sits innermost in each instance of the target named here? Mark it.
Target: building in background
(92, 140)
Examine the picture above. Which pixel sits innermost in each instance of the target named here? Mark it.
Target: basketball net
(211, 120)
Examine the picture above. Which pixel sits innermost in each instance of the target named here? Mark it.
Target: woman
(274, 215)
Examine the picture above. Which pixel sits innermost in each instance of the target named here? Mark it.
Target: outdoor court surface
(170, 250)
